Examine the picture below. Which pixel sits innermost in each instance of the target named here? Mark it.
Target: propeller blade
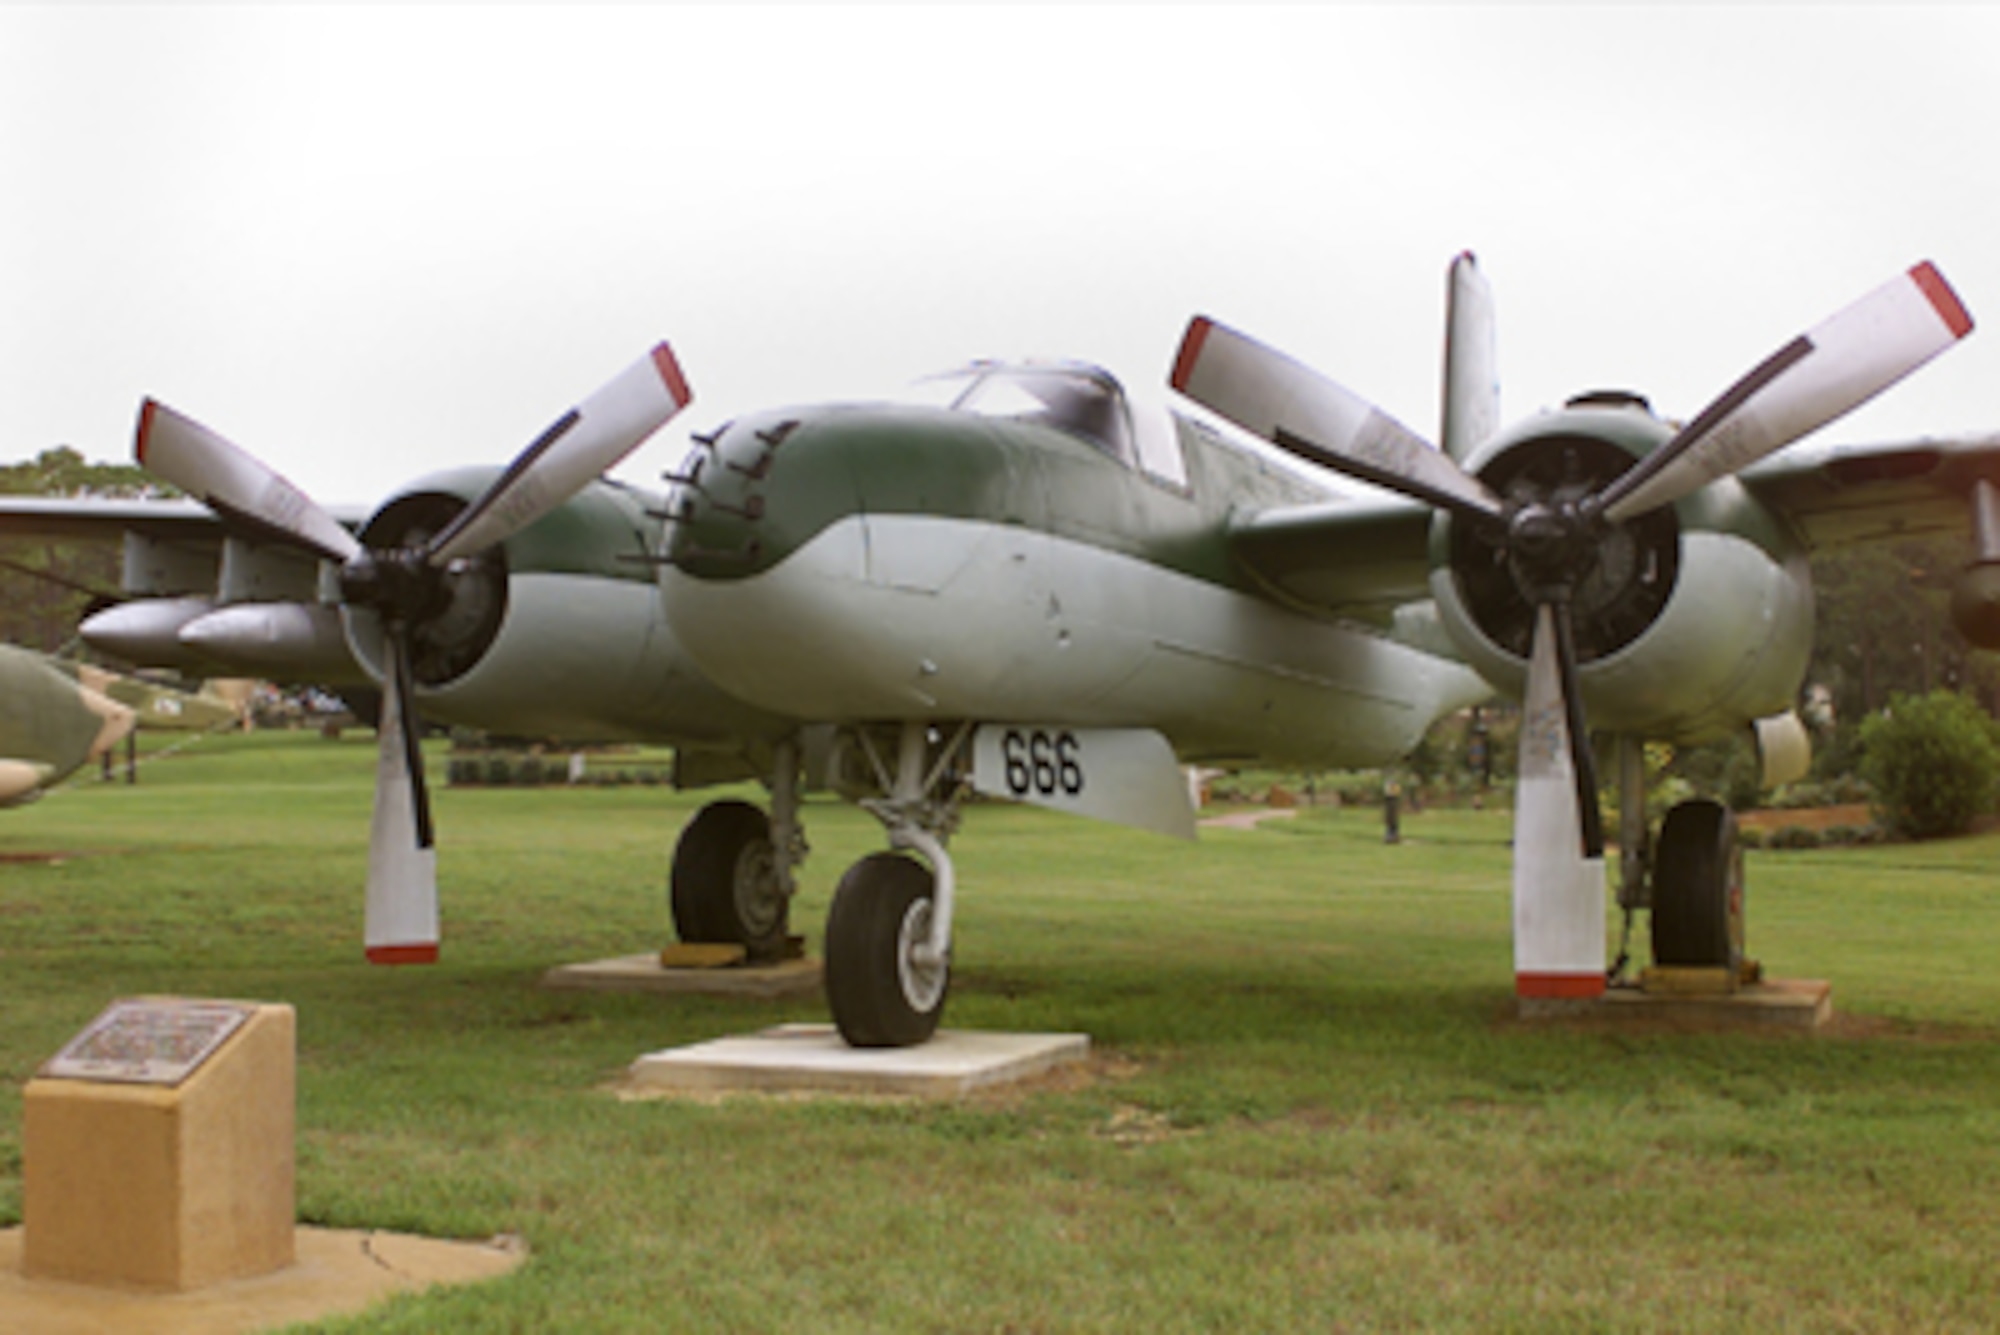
(402, 914)
(1558, 834)
(234, 484)
(578, 447)
(1296, 408)
(1471, 364)
(1583, 759)
(1823, 374)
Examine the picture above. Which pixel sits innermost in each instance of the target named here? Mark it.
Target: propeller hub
(1552, 547)
(395, 583)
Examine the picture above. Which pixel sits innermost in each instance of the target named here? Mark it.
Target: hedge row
(1804, 836)
(500, 771)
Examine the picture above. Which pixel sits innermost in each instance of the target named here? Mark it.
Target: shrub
(1933, 762)
(1793, 836)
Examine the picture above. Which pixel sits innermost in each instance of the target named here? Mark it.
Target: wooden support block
(139, 1173)
(699, 955)
(1687, 981)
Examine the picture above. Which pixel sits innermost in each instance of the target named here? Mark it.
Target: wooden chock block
(158, 1148)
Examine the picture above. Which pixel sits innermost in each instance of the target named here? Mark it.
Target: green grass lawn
(1310, 1107)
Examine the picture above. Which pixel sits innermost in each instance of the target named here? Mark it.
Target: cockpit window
(1081, 401)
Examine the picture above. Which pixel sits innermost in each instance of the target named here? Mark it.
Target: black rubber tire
(725, 843)
(1698, 888)
(864, 969)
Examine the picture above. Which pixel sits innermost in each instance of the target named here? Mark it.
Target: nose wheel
(886, 988)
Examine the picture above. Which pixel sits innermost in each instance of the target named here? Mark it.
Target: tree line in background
(1883, 632)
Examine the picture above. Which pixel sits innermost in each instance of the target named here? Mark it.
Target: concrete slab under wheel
(1796, 1004)
(811, 1058)
(645, 973)
(338, 1272)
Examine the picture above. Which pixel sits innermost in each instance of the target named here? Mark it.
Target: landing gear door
(1127, 776)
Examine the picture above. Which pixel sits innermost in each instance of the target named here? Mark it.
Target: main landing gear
(733, 873)
(1692, 881)
(888, 933)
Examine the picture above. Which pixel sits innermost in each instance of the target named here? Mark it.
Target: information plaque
(147, 1042)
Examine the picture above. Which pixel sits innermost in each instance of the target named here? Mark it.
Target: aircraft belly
(920, 616)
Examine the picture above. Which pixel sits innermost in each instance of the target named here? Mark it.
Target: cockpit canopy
(1077, 398)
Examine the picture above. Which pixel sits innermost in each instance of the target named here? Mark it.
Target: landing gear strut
(888, 934)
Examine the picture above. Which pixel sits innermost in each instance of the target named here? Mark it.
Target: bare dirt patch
(1811, 818)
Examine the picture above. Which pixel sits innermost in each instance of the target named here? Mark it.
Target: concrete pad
(811, 1058)
(1796, 1004)
(645, 973)
(338, 1272)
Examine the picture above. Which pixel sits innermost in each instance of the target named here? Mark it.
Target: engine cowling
(1694, 618)
(556, 632)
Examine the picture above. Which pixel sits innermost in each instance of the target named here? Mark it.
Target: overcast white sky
(364, 242)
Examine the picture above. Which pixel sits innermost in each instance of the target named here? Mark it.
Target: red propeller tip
(1945, 301)
(670, 375)
(146, 411)
(424, 953)
(1197, 334)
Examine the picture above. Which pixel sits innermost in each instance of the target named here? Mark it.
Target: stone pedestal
(156, 1155)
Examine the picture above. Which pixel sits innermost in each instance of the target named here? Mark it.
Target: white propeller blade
(402, 913)
(234, 484)
(1825, 373)
(590, 438)
(1558, 891)
(1471, 364)
(1270, 395)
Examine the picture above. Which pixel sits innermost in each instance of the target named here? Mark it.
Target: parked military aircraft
(1020, 579)
(50, 724)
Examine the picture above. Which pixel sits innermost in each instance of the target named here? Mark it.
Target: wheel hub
(922, 973)
(760, 905)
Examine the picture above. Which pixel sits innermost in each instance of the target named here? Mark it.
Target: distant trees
(1883, 627)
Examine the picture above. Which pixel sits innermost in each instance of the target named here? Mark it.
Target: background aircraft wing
(1838, 494)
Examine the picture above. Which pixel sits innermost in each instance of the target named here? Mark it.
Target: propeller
(1549, 533)
(407, 585)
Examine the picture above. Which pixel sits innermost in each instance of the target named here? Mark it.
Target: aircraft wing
(1838, 494)
(1352, 559)
(108, 519)
(1362, 559)
(183, 561)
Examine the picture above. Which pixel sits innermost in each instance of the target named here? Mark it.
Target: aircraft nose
(749, 493)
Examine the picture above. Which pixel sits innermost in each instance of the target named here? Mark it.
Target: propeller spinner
(408, 587)
(1550, 534)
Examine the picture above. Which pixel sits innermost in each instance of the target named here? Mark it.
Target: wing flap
(1839, 494)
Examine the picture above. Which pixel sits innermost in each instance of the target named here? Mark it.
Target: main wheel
(1698, 889)
(882, 996)
(725, 885)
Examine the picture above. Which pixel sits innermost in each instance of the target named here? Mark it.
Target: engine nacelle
(557, 632)
(1975, 604)
(1696, 619)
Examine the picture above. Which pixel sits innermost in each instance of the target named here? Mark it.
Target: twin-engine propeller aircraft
(1017, 579)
